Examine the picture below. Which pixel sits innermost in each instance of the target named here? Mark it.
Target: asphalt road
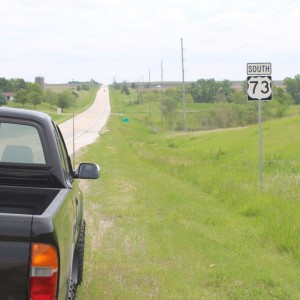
(88, 124)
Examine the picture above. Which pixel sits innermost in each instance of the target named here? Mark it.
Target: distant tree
(18, 84)
(279, 93)
(116, 85)
(3, 100)
(35, 93)
(124, 88)
(245, 87)
(293, 87)
(213, 89)
(21, 96)
(64, 100)
(133, 85)
(175, 94)
(74, 94)
(239, 97)
(34, 87)
(50, 97)
(281, 101)
(226, 90)
(12, 85)
(6, 85)
(85, 87)
(94, 82)
(168, 106)
(35, 98)
(205, 90)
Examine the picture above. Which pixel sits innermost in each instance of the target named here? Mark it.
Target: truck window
(20, 143)
(63, 153)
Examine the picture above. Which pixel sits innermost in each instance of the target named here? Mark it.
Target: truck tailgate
(14, 256)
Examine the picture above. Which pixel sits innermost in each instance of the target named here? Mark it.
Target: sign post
(259, 88)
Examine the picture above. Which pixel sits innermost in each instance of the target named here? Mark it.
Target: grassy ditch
(181, 216)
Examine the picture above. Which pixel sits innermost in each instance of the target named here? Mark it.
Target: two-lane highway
(88, 124)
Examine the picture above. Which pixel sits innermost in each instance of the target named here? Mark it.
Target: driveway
(88, 124)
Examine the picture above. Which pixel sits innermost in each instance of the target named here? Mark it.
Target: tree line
(210, 90)
(27, 92)
(232, 110)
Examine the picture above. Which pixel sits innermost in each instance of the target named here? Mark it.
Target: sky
(137, 40)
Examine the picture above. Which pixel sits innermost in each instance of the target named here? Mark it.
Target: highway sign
(259, 87)
(259, 69)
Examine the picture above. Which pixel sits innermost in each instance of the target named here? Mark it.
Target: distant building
(9, 96)
(41, 82)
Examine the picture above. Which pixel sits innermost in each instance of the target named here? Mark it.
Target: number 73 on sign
(259, 87)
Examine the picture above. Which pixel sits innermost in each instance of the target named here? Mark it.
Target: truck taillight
(43, 272)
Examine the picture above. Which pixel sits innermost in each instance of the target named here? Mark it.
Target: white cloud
(64, 39)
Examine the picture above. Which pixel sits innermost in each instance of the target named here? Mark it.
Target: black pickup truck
(42, 228)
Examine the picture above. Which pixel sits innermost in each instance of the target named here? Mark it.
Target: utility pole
(143, 88)
(149, 96)
(137, 90)
(161, 74)
(162, 89)
(183, 87)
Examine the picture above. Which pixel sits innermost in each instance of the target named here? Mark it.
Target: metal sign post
(259, 88)
(260, 145)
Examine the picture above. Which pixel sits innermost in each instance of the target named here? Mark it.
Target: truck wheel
(80, 253)
(77, 268)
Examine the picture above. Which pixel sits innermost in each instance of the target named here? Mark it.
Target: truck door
(68, 173)
(14, 256)
(71, 216)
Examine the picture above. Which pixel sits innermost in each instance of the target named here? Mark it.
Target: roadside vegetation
(180, 215)
(207, 104)
(59, 101)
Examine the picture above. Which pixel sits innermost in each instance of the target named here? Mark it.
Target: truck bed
(24, 200)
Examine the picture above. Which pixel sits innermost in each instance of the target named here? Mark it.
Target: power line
(183, 87)
(258, 30)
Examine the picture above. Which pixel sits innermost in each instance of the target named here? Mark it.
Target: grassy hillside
(181, 216)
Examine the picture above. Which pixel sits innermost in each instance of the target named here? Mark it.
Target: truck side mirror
(87, 171)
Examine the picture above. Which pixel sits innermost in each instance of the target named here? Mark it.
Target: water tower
(41, 81)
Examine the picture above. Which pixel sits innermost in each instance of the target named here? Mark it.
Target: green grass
(181, 216)
(58, 88)
(294, 110)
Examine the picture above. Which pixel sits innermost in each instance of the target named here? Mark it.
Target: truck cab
(42, 225)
